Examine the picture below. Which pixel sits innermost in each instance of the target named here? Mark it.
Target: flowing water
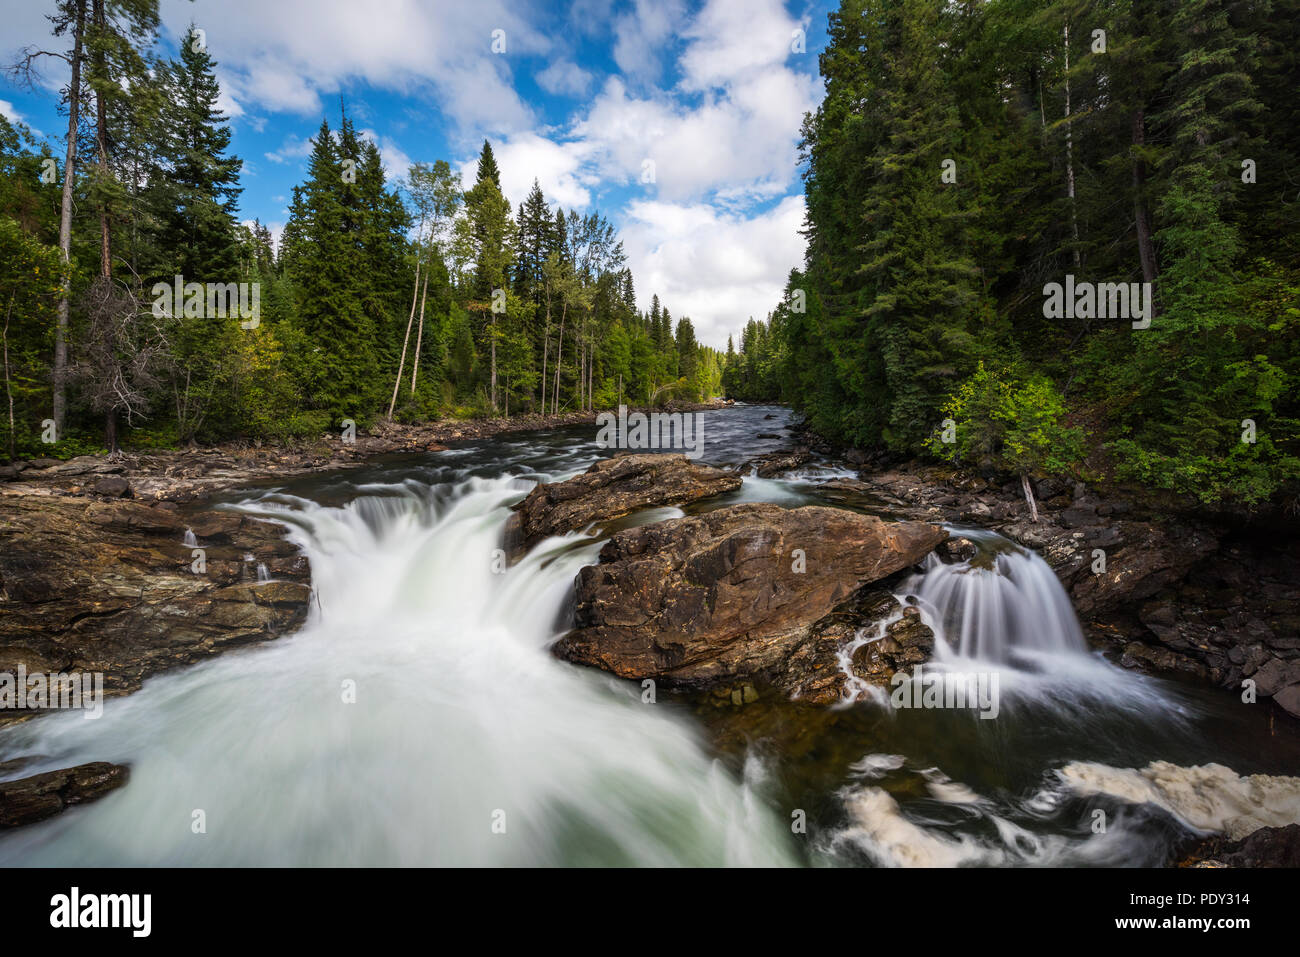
(418, 717)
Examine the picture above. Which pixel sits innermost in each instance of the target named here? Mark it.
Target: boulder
(112, 486)
(610, 489)
(732, 594)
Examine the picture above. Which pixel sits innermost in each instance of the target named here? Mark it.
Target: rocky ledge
(110, 586)
(1160, 592)
(746, 596)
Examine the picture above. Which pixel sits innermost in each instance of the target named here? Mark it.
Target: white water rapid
(463, 724)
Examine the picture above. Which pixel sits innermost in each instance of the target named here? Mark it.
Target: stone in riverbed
(35, 798)
(714, 599)
(610, 489)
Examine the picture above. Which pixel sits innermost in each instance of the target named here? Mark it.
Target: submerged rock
(32, 799)
(610, 489)
(711, 600)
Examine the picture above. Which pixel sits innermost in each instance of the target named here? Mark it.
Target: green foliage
(1117, 166)
(1010, 423)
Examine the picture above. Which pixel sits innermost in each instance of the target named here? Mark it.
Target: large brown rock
(35, 798)
(609, 489)
(701, 601)
(94, 586)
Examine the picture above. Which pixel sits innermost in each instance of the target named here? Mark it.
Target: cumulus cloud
(564, 78)
(561, 168)
(278, 57)
(717, 267)
(642, 33)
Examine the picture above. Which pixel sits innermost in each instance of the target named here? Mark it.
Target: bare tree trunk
(546, 345)
(401, 365)
(65, 226)
(1069, 152)
(559, 361)
(8, 389)
(1146, 248)
(419, 335)
(101, 144)
(493, 333)
(1029, 497)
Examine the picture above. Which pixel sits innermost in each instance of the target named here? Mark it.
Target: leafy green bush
(1009, 422)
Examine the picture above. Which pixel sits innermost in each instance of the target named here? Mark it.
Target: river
(418, 717)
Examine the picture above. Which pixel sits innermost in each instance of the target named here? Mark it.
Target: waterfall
(189, 538)
(418, 718)
(1003, 606)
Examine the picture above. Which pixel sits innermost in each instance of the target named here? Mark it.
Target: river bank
(194, 474)
(430, 631)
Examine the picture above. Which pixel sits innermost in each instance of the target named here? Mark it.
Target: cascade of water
(417, 718)
(1002, 606)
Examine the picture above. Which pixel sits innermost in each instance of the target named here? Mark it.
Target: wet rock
(609, 489)
(35, 798)
(1266, 847)
(701, 601)
(109, 586)
(958, 549)
(1275, 675)
(774, 463)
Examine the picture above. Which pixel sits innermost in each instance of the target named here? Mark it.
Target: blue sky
(591, 98)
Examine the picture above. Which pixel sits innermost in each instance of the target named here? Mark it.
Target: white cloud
(8, 111)
(561, 169)
(642, 33)
(731, 40)
(718, 268)
(293, 148)
(285, 56)
(396, 162)
(564, 77)
(731, 127)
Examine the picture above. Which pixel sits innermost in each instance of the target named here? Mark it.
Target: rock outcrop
(733, 595)
(110, 586)
(610, 489)
(31, 799)
(1171, 594)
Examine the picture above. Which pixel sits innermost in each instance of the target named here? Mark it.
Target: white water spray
(417, 718)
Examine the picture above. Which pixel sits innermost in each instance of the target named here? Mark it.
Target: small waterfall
(263, 575)
(189, 538)
(1002, 606)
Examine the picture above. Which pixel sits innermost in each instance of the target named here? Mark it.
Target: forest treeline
(410, 299)
(969, 154)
